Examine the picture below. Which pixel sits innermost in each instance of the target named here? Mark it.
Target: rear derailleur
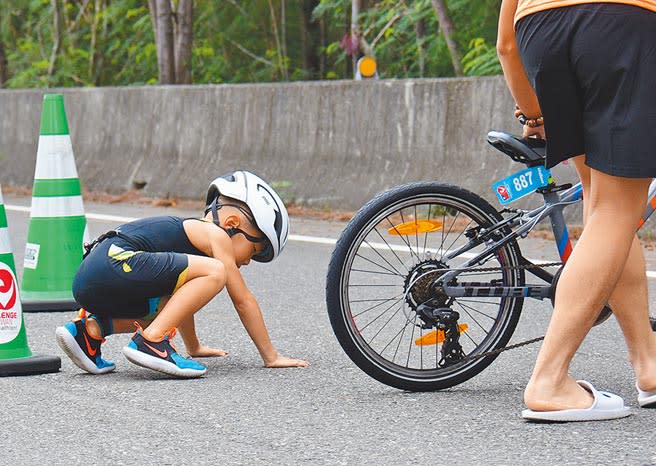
(446, 320)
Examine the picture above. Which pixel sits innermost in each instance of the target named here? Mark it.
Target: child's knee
(217, 273)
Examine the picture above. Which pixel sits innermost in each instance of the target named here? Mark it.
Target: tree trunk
(183, 42)
(323, 28)
(279, 50)
(446, 26)
(164, 42)
(152, 6)
(283, 30)
(100, 61)
(94, 40)
(310, 40)
(3, 65)
(348, 64)
(355, 31)
(56, 38)
(420, 34)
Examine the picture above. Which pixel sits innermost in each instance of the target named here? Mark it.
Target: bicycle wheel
(381, 272)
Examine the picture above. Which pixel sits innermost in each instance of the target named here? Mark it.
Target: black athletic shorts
(115, 281)
(593, 67)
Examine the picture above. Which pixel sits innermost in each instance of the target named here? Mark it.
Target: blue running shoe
(161, 356)
(82, 348)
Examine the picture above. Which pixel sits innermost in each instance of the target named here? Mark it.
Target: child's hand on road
(282, 361)
(206, 352)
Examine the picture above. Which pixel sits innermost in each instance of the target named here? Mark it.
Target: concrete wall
(335, 143)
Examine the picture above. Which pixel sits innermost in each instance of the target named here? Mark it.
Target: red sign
(7, 290)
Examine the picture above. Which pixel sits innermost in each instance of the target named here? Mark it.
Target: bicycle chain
(500, 350)
(525, 267)
(521, 343)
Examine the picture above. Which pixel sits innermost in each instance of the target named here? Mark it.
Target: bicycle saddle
(530, 152)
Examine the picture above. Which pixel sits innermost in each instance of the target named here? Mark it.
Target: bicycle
(427, 281)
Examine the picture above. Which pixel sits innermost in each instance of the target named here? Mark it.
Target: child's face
(243, 248)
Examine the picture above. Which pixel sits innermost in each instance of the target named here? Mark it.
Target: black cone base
(50, 306)
(29, 366)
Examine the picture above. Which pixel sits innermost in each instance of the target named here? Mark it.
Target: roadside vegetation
(68, 43)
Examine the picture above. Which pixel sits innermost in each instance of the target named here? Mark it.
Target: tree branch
(249, 53)
(386, 27)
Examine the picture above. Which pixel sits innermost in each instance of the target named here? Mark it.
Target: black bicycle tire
(339, 321)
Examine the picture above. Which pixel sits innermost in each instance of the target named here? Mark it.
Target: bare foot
(645, 369)
(540, 396)
(206, 352)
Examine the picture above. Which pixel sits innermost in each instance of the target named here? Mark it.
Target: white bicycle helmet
(269, 213)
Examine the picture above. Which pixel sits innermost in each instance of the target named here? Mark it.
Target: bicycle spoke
(384, 325)
(401, 236)
(370, 300)
(397, 298)
(381, 256)
(471, 316)
(375, 285)
(391, 248)
(375, 272)
(412, 337)
(470, 309)
(426, 234)
(398, 345)
(393, 271)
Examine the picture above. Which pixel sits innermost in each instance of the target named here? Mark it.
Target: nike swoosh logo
(161, 354)
(91, 351)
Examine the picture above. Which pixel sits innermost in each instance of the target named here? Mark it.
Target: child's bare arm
(253, 321)
(192, 344)
(247, 306)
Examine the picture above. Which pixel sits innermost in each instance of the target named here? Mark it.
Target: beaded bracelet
(530, 122)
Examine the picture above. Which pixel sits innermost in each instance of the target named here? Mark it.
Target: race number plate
(521, 184)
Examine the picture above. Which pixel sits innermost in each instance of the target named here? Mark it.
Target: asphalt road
(328, 414)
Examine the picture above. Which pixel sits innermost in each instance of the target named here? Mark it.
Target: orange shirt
(527, 7)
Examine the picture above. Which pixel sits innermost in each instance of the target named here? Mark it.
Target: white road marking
(299, 238)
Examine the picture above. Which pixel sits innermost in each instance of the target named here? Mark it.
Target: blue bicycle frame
(555, 200)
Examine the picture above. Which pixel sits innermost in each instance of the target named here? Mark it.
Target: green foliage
(110, 46)
(285, 190)
(481, 59)
(403, 50)
(111, 42)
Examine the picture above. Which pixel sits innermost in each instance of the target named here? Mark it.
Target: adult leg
(614, 205)
(629, 301)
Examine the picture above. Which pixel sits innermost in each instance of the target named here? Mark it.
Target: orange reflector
(437, 336)
(414, 227)
(367, 66)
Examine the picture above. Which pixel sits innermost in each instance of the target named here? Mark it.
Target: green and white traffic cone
(15, 355)
(58, 226)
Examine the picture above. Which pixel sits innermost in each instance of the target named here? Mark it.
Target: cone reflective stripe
(15, 355)
(57, 229)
